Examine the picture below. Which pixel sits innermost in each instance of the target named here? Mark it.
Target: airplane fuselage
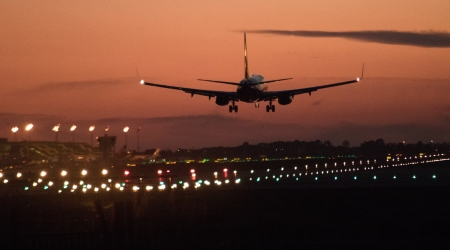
(248, 91)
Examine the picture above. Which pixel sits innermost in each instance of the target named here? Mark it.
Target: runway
(315, 210)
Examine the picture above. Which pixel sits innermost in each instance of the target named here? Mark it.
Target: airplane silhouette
(251, 89)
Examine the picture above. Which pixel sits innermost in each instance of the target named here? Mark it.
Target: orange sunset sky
(74, 62)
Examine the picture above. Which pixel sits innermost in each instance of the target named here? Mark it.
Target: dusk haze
(80, 62)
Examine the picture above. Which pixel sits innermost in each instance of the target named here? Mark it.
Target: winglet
(137, 73)
(362, 74)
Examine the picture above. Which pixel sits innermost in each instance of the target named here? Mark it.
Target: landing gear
(232, 108)
(256, 104)
(270, 107)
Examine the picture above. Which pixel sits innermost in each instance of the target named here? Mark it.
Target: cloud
(428, 39)
(78, 85)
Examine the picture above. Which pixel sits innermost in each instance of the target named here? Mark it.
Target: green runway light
(335, 177)
(414, 176)
(354, 178)
(45, 187)
(26, 187)
(434, 176)
(374, 177)
(316, 178)
(395, 177)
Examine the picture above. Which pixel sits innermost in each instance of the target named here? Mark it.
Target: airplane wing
(272, 95)
(232, 96)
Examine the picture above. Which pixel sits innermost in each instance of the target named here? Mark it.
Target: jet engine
(285, 100)
(222, 101)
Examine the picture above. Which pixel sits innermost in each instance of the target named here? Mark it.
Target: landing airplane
(252, 89)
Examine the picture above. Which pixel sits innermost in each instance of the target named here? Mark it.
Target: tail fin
(245, 57)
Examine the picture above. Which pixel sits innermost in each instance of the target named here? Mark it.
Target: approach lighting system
(73, 128)
(91, 128)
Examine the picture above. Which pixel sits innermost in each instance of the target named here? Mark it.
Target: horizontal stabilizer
(247, 83)
(232, 83)
(277, 80)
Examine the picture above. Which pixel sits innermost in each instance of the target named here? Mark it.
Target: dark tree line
(291, 149)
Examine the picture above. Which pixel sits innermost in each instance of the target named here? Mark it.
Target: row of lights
(121, 186)
(198, 183)
(258, 179)
(162, 186)
(64, 173)
(55, 129)
(225, 170)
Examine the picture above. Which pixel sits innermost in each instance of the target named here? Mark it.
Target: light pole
(14, 130)
(91, 129)
(28, 128)
(56, 129)
(73, 132)
(139, 128)
(125, 130)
